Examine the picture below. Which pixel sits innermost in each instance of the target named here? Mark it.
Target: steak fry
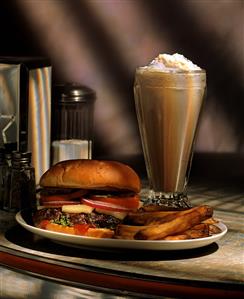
(142, 218)
(213, 229)
(159, 220)
(198, 231)
(154, 217)
(176, 225)
(127, 231)
(176, 237)
(210, 220)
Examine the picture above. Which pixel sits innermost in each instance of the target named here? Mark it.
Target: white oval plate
(80, 241)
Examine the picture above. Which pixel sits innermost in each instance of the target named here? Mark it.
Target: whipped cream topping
(172, 63)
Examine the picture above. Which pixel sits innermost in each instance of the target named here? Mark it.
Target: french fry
(210, 220)
(176, 225)
(204, 227)
(159, 220)
(154, 217)
(153, 208)
(127, 231)
(141, 218)
(100, 233)
(213, 229)
(198, 231)
(176, 238)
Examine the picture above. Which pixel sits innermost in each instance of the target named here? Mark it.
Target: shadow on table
(19, 236)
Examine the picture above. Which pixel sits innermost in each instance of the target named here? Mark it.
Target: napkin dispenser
(25, 108)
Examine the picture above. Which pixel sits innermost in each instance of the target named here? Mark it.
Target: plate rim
(156, 244)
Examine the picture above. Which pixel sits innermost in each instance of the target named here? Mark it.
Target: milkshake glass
(168, 98)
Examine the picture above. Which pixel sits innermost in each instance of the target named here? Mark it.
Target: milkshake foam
(172, 63)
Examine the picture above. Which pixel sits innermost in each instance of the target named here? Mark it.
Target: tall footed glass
(168, 106)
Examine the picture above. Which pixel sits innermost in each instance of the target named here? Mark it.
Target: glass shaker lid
(73, 92)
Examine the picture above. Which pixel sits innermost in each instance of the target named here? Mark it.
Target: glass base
(168, 200)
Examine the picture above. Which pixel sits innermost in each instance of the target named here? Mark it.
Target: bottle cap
(73, 93)
(21, 157)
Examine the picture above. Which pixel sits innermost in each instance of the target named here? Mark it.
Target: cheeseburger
(86, 197)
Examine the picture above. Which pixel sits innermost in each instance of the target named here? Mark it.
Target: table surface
(214, 267)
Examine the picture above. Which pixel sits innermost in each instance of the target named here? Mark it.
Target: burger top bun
(91, 174)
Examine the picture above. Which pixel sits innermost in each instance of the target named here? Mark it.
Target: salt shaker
(73, 127)
(21, 183)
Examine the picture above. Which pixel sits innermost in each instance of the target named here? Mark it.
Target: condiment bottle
(21, 183)
(3, 169)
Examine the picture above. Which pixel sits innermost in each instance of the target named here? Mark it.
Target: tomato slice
(77, 229)
(62, 197)
(104, 205)
(43, 224)
(81, 229)
(129, 202)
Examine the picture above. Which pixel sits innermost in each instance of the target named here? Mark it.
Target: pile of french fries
(197, 222)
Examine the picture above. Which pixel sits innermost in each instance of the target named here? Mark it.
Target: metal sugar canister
(72, 122)
(21, 187)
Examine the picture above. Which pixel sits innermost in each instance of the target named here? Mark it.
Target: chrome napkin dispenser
(25, 108)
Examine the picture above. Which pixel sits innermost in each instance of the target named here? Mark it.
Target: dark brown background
(100, 43)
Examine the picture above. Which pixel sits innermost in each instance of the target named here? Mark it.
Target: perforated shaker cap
(73, 92)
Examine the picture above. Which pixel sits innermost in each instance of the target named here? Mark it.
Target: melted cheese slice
(119, 215)
(77, 209)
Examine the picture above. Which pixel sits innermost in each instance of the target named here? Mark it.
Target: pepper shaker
(21, 186)
(3, 169)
